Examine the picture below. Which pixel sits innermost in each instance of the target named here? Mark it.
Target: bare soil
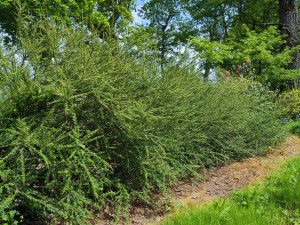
(218, 183)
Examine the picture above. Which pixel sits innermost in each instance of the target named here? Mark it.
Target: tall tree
(257, 14)
(100, 15)
(213, 19)
(288, 19)
(164, 17)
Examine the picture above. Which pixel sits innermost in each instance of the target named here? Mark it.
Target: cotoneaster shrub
(83, 126)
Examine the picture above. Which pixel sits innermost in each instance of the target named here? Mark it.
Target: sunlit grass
(223, 212)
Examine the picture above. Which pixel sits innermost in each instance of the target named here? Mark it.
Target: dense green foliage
(98, 15)
(86, 121)
(246, 27)
(84, 125)
(223, 34)
(294, 127)
(275, 202)
(290, 102)
(261, 49)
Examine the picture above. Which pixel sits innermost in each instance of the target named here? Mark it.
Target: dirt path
(221, 181)
(236, 175)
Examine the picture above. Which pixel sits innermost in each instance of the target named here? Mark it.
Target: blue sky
(136, 18)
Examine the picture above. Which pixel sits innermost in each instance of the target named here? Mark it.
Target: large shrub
(83, 126)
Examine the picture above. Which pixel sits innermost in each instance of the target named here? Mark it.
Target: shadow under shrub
(83, 126)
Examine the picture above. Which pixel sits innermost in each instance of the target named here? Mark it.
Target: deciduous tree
(164, 17)
(100, 15)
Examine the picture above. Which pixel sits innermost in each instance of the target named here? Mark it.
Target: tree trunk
(288, 20)
(207, 67)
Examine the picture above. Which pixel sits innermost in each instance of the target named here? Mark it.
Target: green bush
(290, 102)
(83, 126)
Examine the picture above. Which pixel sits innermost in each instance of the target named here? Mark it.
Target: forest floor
(218, 183)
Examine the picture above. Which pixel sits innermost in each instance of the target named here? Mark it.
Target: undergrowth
(83, 126)
(277, 201)
(294, 127)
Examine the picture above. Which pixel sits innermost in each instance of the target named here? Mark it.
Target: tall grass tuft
(82, 126)
(226, 212)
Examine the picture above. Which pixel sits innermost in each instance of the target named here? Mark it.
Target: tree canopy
(175, 27)
(102, 16)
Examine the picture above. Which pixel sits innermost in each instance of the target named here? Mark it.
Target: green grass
(277, 201)
(223, 212)
(294, 127)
